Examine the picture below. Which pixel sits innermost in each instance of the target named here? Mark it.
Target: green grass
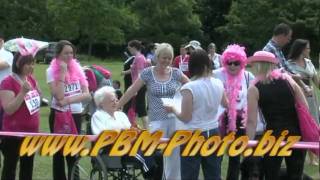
(43, 165)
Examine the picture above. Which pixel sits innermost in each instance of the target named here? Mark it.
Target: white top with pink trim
(70, 89)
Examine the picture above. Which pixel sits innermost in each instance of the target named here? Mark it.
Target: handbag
(309, 129)
(64, 123)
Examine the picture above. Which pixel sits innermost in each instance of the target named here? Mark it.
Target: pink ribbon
(252, 143)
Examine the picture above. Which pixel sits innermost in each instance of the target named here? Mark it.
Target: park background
(100, 30)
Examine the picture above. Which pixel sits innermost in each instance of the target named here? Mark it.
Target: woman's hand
(169, 108)
(63, 67)
(25, 88)
(308, 91)
(63, 102)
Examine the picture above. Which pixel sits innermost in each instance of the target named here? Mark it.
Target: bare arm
(57, 86)
(184, 79)
(84, 96)
(132, 90)
(298, 93)
(224, 100)
(186, 106)
(10, 103)
(3, 64)
(253, 97)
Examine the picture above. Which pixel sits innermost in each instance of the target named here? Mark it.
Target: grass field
(43, 165)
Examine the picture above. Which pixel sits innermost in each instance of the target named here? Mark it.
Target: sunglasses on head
(235, 63)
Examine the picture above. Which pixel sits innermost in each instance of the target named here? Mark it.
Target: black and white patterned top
(160, 89)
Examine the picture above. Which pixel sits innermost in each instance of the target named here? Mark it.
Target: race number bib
(72, 89)
(183, 66)
(32, 100)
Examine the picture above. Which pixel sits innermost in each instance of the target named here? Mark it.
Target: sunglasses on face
(235, 63)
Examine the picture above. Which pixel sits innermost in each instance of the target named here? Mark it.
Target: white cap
(194, 44)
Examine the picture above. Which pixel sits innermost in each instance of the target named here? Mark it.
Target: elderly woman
(199, 110)
(20, 99)
(236, 81)
(275, 93)
(107, 117)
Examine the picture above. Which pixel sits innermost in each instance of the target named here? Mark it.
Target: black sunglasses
(235, 63)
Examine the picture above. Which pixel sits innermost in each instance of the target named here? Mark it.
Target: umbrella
(15, 45)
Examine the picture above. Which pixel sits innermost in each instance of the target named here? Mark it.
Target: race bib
(72, 89)
(183, 66)
(32, 100)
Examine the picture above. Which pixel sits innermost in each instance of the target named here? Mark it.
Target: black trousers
(58, 158)
(11, 156)
(294, 164)
(140, 102)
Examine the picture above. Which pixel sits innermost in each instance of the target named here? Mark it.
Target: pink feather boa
(234, 52)
(74, 73)
(233, 85)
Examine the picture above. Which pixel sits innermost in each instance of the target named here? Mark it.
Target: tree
(23, 18)
(251, 22)
(167, 21)
(212, 15)
(94, 21)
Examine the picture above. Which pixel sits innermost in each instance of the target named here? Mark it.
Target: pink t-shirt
(21, 120)
(139, 63)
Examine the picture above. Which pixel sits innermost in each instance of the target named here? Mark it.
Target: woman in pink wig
(275, 93)
(69, 87)
(236, 82)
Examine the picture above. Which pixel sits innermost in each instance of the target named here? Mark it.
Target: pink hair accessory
(24, 51)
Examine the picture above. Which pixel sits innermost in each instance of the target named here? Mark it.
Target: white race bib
(32, 100)
(183, 66)
(72, 89)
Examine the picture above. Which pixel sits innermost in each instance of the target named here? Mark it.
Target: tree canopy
(112, 23)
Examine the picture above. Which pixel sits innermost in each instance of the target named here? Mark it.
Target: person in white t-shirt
(199, 110)
(107, 116)
(69, 88)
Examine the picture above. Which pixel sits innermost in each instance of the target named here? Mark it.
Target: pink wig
(234, 52)
(74, 72)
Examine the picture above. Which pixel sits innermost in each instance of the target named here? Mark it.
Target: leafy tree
(251, 22)
(167, 21)
(94, 21)
(212, 15)
(23, 18)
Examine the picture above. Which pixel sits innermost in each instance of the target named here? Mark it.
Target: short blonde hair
(164, 48)
(101, 93)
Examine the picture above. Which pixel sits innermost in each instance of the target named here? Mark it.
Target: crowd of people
(215, 94)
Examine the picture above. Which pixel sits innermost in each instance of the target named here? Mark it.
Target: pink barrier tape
(252, 143)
